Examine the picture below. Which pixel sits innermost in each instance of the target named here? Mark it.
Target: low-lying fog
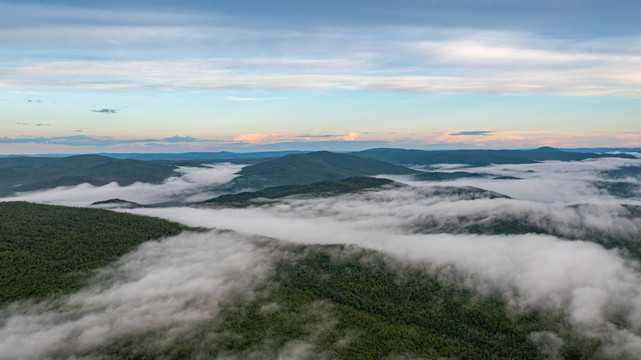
(598, 290)
(177, 282)
(549, 181)
(191, 184)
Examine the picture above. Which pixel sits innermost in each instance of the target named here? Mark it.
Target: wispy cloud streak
(494, 61)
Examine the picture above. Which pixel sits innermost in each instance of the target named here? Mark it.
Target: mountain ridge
(299, 169)
(408, 157)
(29, 174)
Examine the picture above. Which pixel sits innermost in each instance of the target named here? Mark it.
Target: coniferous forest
(47, 249)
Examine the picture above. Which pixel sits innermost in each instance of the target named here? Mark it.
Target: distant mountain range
(189, 156)
(246, 156)
(219, 156)
(477, 157)
(268, 169)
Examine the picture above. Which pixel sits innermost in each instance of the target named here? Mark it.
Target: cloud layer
(173, 283)
(451, 56)
(595, 289)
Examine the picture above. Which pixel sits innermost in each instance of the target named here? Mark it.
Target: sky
(181, 76)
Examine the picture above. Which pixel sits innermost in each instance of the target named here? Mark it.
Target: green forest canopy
(47, 249)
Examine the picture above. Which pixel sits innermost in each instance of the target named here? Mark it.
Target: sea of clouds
(572, 266)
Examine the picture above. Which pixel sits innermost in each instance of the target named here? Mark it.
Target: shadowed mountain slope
(322, 188)
(28, 174)
(301, 169)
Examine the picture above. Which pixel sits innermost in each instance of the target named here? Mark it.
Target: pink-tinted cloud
(351, 136)
(258, 138)
(525, 139)
(267, 138)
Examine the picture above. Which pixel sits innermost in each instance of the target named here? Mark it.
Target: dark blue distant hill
(546, 149)
(477, 157)
(220, 155)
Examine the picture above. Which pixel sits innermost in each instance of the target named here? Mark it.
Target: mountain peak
(546, 149)
(312, 167)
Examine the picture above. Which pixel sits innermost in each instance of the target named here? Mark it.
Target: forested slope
(298, 169)
(27, 174)
(318, 189)
(46, 249)
(337, 302)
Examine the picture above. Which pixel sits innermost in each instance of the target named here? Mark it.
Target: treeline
(46, 249)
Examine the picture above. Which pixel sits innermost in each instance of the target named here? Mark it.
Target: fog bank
(595, 289)
(176, 282)
(179, 280)
(193, 184)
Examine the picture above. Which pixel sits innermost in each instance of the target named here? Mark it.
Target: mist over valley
(323, 255)
(308, 180)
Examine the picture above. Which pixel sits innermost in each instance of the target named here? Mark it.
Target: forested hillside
(27, 174)
(321, 188)
(299, 169)
(337, 302)
(46, 249)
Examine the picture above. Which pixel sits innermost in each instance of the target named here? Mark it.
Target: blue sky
(149, 76)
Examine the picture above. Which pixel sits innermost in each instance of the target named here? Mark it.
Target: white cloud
(493, 50)
(579, 279)
(177, 282)
(593, 288)
(453, 61)
(189, 75)
(597, 291)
